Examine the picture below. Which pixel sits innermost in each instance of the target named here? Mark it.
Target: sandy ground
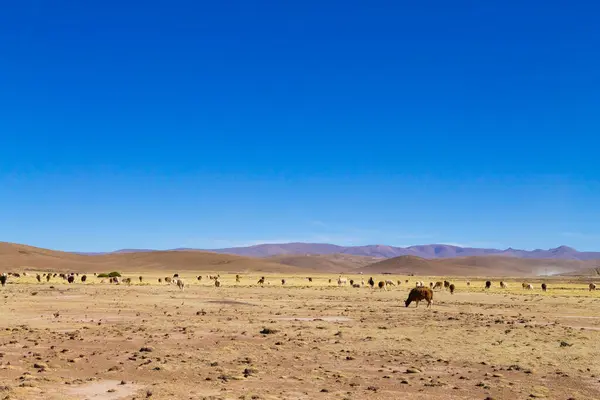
(101, 341)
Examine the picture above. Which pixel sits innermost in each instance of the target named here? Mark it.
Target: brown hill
(476, 266)
(511, 266)
(326, 263)
(400, 265)
(593, 272)
(15, 257)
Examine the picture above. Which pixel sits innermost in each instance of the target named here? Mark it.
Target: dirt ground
(151, 340)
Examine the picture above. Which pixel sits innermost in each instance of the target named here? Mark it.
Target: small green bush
(113, 274)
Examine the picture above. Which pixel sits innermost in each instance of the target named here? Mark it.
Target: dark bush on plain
(113, 274)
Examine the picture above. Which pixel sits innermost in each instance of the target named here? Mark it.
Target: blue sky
(155, 124)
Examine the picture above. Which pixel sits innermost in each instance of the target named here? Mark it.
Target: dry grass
(327, 342)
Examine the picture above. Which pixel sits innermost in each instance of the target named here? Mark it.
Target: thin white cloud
(414, 236)
(343, 229)
(455, 244)
(362, 231)
(247, 243)
(341, 239)
(571, 234)
(580, 235)
(338, 239)
(492, 245)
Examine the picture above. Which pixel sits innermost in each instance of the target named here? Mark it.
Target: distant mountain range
(429, 251)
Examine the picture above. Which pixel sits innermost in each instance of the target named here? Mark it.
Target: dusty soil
(101, 341)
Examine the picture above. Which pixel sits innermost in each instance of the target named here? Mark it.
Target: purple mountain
(423, 251)
(383, 251)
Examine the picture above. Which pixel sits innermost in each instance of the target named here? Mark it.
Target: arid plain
(301, 340)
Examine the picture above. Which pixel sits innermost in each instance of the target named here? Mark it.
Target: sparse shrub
(113, 274)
